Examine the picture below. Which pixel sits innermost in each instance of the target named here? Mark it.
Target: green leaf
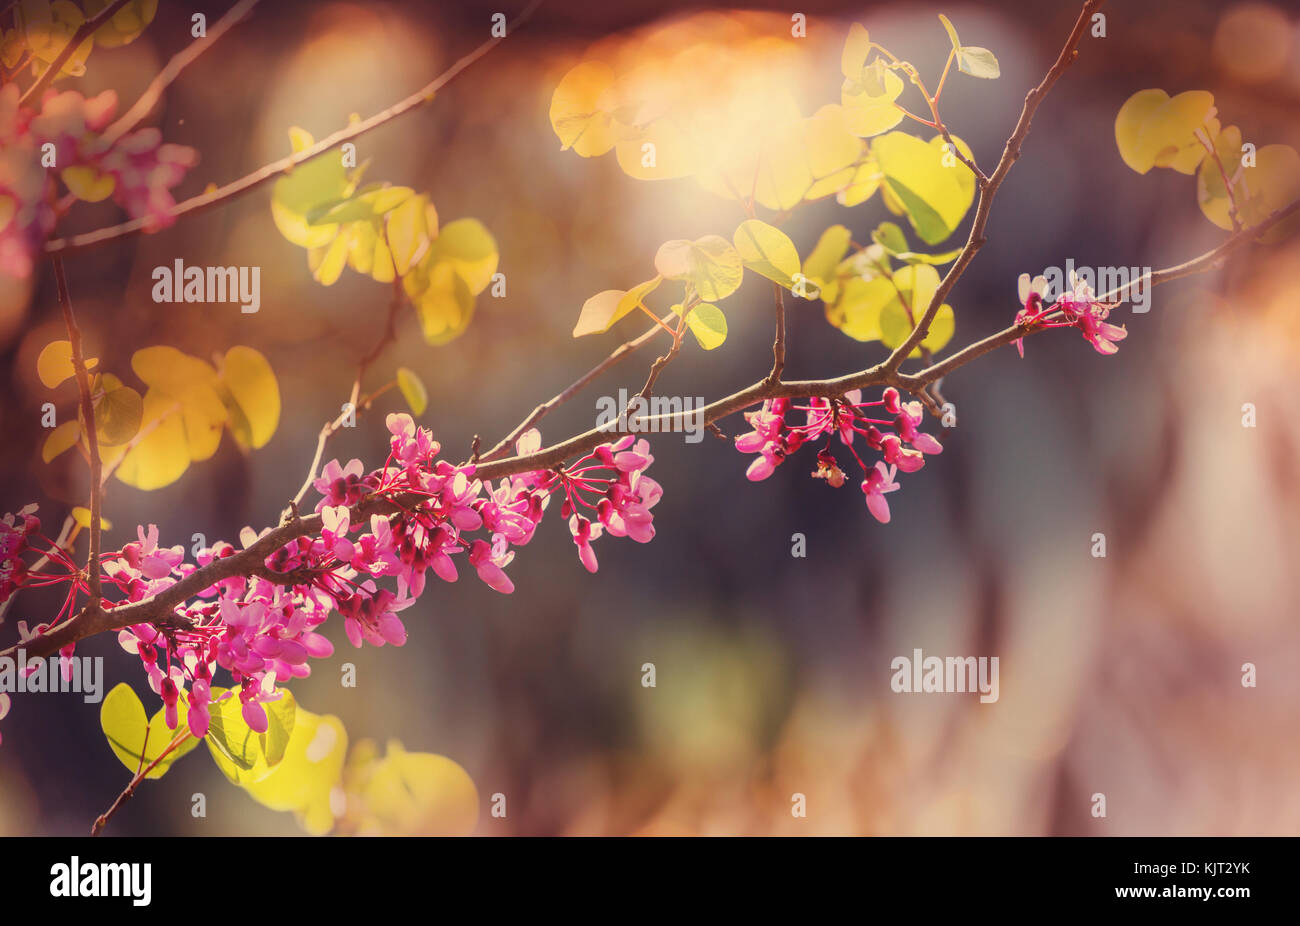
(242, 754)
(317, 184)
(857, 310)
(417, 397)
(890, 237)
(118, 412)
(122, 717)
(371, 203)
(767, 251)
(933, 188)
(707, 323)
(710, 264)
(917, 285)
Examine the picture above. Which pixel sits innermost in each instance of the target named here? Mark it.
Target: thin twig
(778, 344)
(619, 353)
(88, 425)
(275, 169)
(1010, 154)
(102, 820)
(179, 62)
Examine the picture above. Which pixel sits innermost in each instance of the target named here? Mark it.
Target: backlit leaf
(767, 251)
(249, 381)
(412, 389)
(707, 323)
(710, 264)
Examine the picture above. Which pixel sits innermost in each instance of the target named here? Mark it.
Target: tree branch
(272, 171)
(181, 60)
(1010, 154)
(251, 561)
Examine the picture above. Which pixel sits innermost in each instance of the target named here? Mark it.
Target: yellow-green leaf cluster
(385, 232)
(150, 440)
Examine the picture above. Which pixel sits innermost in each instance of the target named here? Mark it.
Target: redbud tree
(222, 629)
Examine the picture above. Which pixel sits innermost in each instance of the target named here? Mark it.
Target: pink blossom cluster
(1077, 308)
(422, 514)
(137, 169)
(897, 438)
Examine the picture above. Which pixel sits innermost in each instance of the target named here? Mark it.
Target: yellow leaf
(62, 438)
(767, 251)
(82, 517)
(867, 115)
(1154, 130)
(307, 187)
(311, 769)
(707, 323)
(710, 264)
(54, 364)
(409, 793)
(410, 226)
(575, 113)
(412, 389)
(162, 455)
(857, 310)
(445, 304)
(928, 183)
(468, 247)
(601, 311)
(250, 382)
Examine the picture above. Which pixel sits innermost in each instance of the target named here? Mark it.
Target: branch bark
(989, 189)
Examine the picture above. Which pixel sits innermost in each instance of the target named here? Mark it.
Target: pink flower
(879, 481)
(584, 532)
(488, 563)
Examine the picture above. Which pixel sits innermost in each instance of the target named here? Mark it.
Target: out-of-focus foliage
(150, 440)
(710, 113)
(384, 232)
(1237, 184)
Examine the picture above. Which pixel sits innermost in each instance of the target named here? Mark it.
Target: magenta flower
(879, 481)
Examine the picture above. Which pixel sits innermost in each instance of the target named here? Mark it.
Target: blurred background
(1119, 676)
